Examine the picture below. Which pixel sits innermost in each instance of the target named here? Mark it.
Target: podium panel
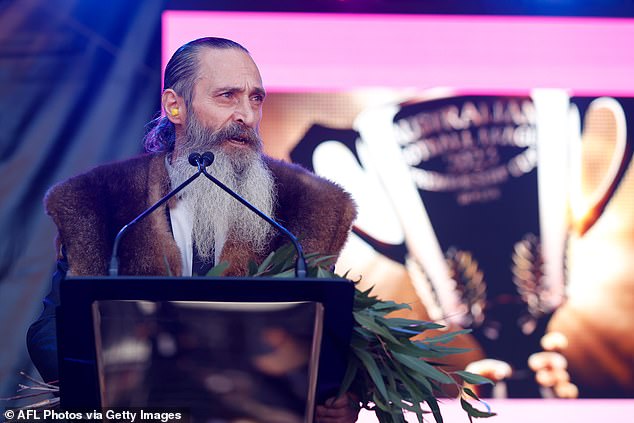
(229, 348)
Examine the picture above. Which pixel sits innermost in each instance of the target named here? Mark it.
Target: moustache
(240, 133)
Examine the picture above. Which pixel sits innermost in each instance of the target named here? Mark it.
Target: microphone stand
(194, 160)
(300, 263)
(201, 162)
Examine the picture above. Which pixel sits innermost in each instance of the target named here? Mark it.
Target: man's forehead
(229, 67)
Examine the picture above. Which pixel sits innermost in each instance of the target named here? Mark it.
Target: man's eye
(227, 94)
(258, 98)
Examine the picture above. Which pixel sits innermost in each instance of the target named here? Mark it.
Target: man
(212, 101)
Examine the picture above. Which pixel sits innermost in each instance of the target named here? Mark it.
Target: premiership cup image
(491, 194)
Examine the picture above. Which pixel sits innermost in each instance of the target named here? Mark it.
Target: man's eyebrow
(256, 90)
(227, 89)
(259, 91)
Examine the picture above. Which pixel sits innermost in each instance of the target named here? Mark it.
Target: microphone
(208, 159)
(300, 263)
(194, 159)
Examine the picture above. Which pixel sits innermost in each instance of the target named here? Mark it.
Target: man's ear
(173, 106)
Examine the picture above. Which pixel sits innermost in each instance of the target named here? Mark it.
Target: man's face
(228, 93)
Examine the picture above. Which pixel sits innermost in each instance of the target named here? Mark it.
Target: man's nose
(245, 114)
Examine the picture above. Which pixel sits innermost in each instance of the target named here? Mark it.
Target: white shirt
(182, 229)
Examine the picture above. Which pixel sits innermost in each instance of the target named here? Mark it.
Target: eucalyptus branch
(387, 369)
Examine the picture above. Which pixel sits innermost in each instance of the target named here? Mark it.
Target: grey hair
(180, 75)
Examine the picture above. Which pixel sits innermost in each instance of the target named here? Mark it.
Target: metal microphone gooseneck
(195, 159)
(300, 263)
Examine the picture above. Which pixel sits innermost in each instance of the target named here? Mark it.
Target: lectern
(221, 348)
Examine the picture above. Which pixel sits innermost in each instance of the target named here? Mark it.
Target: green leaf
(369, 323)
(423, 367)
(415, 394)
(279, 261)
(411, 324)
(474, 412)
(290, 273)
(402, 331)
(445, 337)
(218, 269)
(392, 416)
(373, 371)
(363, 302)
(398, 402)
(253, 268)
(443, 350)
(389, 306)
(435, 409)
(405, 348)
(383, 405)
(326, 261)
(473, 378)
(471, 393)
(349, 376)
(266, 263)
(322, 273)
(474, 396)
(362, 336)
(167, 266)
(436, 351)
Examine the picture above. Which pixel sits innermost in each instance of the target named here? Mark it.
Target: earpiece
(175, 112)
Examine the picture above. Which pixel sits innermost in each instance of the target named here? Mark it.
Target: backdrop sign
(486, 190)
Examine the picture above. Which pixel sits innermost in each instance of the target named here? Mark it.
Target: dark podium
(220, 348)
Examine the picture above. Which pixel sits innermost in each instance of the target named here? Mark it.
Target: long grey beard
(216, 215)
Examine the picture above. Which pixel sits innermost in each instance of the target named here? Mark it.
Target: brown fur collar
(89, 210)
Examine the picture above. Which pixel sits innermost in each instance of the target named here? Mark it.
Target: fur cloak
(91, 208)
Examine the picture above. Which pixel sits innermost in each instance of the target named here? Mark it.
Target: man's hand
(495, 370)
(551, 368)
(549, 365)
(344, 409)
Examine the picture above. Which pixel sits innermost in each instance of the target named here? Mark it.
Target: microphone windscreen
(208, 158)
(193, 159)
